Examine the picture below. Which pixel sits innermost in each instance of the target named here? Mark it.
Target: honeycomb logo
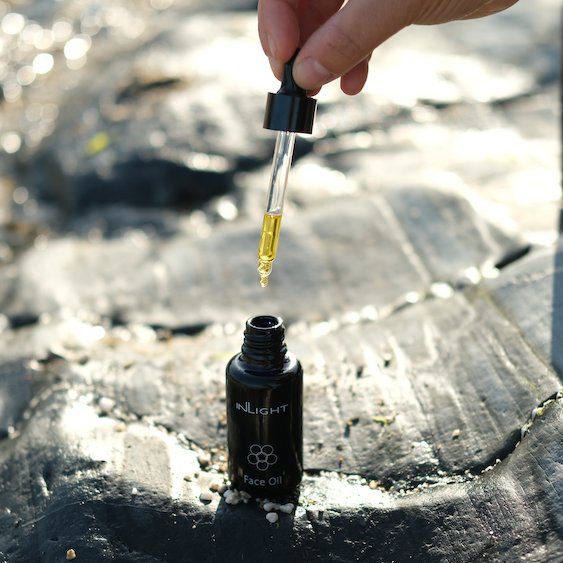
(262, 456)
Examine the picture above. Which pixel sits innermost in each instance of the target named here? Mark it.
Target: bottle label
(248, 408)
(264, 431)
(262, 458)
(260, 482)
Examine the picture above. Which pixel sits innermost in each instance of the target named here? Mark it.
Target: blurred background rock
(417, 273)
(141, 121)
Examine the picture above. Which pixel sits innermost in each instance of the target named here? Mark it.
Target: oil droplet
(264, 269)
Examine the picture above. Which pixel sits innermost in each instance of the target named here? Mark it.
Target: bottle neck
(264, 341)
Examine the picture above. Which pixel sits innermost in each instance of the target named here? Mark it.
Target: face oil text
(272, 481)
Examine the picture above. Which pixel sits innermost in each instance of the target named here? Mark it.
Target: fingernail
(273, 47)
(311, 74)
(277, 69)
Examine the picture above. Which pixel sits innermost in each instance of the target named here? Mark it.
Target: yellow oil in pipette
(288, 112)
(268, 246)
(281, 163)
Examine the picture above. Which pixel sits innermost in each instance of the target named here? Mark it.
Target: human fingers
(490, 8)
(283, 25)
(429, 12)
(278, 29)
(345, 40)
(353, 81)
(352, 33)
(312, 14)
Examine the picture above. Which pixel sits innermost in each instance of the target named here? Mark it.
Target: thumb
(347, 39)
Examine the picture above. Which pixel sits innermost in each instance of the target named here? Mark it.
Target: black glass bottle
(265, 413)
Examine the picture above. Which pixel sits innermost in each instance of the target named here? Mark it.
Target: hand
(338, 38)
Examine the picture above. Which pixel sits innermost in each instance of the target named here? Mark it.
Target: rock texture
(418, 274)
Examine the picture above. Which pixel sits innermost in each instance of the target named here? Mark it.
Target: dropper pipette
(281, 163)
(289, 111)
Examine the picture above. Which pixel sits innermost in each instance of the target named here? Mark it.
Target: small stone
(228, 493)
(221, 490)
(120, 426)
(269, 506)
(287, 508)
(106, 404)
(206, 496)
(456, 433)
(214, 485)
(204, 458)
(71, 554)
(272, 517)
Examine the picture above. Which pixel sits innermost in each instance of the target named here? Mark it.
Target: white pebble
(272, 517)
(269, 506)
(206, 495)
(106, 404)
(228, 493)
(221, 490)
(287, 508)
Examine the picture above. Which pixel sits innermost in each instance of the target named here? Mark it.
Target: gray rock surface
(418, 274)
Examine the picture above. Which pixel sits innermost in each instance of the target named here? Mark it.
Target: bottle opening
(265, 322)
(264, 341)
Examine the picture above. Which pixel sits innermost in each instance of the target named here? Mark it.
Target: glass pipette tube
(281, 163)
